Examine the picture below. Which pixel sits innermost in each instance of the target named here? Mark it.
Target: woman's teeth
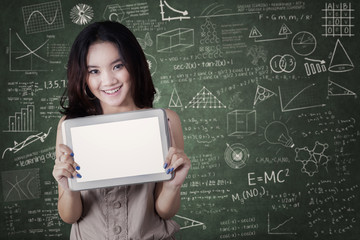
(112, 91)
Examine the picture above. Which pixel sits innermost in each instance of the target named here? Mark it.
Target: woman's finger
(169, 156)
(63, 149)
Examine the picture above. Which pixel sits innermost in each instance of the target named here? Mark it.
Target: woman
(108, 73)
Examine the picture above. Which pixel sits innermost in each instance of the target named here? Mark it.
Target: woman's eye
(94, 71)
(119, 66)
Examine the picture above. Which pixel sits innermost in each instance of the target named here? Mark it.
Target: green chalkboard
(267, 92)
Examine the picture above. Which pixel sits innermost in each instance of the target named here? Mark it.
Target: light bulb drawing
(277, 133)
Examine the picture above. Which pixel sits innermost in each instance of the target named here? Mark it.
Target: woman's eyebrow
(113, 62)
(117, 60)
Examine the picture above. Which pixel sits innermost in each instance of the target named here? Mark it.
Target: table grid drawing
(338, 20)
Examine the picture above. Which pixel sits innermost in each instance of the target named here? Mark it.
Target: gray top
(126, 212)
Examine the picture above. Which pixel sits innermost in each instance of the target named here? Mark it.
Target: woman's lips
(112, 91)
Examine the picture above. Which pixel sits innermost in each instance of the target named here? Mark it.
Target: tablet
(118, 149)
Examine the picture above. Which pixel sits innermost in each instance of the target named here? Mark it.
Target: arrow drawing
(18, 146)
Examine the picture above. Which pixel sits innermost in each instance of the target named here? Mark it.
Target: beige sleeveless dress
(126, 212)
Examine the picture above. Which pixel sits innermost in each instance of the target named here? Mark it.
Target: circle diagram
(282, 63)
(236, 155)
(303, 43)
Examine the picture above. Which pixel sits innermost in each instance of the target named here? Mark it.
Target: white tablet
(118, 149)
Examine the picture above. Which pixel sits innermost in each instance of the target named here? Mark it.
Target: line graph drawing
(219, 10)
(25, 58)
(31, 51)
(205, 99)
(32, 138)
(182, 14)
(21, 184)
(278, 229)
(303, 99)
(43, 17)
(215, 9)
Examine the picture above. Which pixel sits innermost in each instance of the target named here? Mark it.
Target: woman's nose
(108, 78)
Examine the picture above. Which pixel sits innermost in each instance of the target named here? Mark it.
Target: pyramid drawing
(335, 89)
(205, 99)
(340, 60)
(262, 94)
(175, 99)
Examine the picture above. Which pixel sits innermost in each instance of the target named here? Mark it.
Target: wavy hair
(77, 100)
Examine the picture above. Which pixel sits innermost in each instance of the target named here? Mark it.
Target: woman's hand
(177, 163)
(65, 167)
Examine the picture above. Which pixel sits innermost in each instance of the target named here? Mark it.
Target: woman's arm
(69, 202)
(167, 194)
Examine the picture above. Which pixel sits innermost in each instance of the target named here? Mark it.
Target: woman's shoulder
(61, 120)
(171, 115)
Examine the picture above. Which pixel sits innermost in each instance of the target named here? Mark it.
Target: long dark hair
(81, 102)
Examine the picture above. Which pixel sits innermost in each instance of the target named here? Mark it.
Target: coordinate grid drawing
(43, 17)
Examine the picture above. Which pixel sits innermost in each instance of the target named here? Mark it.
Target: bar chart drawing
(22, 121)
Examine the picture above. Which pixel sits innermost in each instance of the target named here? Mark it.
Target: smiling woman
(108, 73)
(125, 50)
(108, 79)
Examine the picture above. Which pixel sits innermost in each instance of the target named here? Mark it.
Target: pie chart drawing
(303, 43)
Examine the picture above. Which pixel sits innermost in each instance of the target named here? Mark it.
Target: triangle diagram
(284, 30)
(340, 60)
(205, 99)
(175, 99)
(254, 33)
(335, 89)
(185, 222)
(262, 94)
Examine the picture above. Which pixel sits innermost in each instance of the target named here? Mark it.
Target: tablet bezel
(159, 113)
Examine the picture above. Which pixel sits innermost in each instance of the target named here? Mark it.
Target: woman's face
(108, 79)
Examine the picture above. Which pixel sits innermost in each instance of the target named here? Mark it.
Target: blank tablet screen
(118, 149)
